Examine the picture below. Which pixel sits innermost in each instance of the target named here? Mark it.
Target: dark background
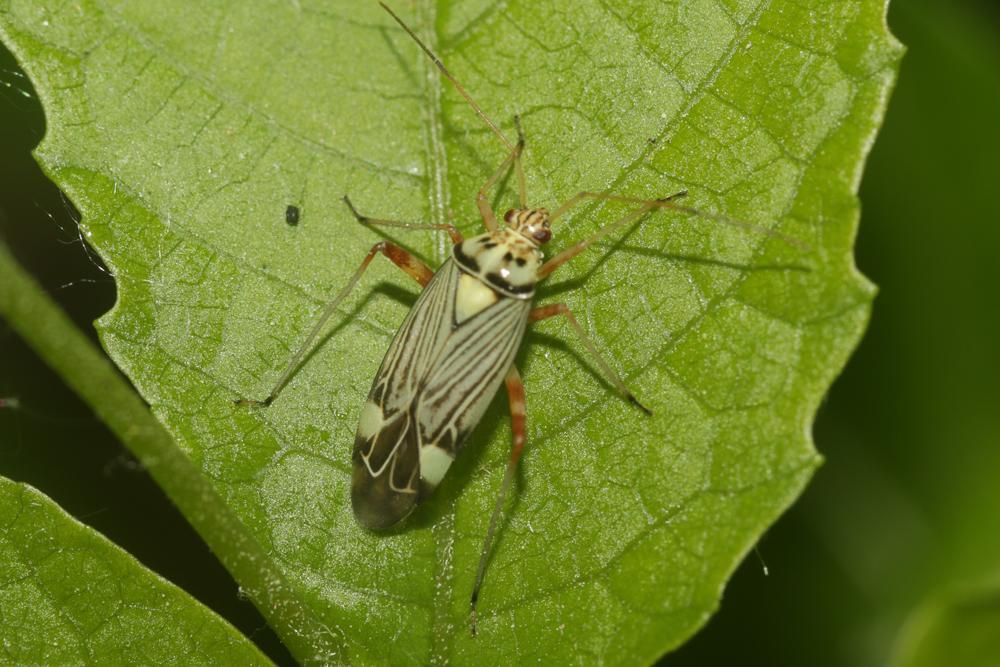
(908, 502)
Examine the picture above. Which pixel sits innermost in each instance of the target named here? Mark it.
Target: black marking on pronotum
(469, 263)
(502, 283)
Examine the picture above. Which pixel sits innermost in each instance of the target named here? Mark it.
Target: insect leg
(515, 396)
(489, 218)
(401, 258)
(453, 232)
(545, 312)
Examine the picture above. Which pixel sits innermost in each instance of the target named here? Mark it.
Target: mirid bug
(458, 343)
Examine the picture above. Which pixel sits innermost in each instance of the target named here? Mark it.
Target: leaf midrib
(443, 531)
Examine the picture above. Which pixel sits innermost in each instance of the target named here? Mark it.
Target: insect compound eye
(509, 216)
(542, 235)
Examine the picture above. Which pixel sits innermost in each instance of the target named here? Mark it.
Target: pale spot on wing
(371, 420)
(472, 297)
(434, 463)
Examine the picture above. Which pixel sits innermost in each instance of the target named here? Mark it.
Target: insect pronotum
(458, 343)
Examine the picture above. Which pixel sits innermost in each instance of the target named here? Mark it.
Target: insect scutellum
(458, 342)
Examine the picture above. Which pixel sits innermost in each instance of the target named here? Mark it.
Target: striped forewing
(469, 370)
(436, 380)
(417, 344)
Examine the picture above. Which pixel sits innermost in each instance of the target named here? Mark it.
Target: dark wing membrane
(472, 364)
(384, 488)
(385, 485)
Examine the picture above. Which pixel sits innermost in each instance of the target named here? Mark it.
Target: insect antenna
(670, 203)
(451, 77)
(742, 224)
(468, 98)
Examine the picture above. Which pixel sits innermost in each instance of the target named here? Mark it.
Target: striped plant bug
(458, 342)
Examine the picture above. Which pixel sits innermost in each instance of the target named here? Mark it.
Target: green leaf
(70, 597)
(183, 135)
(68, 351)
(959, 629)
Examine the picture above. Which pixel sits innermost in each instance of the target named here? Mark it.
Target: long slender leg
(401, 258)
(485, 210)
(456, 236)
(515, 396)
(545, 312)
